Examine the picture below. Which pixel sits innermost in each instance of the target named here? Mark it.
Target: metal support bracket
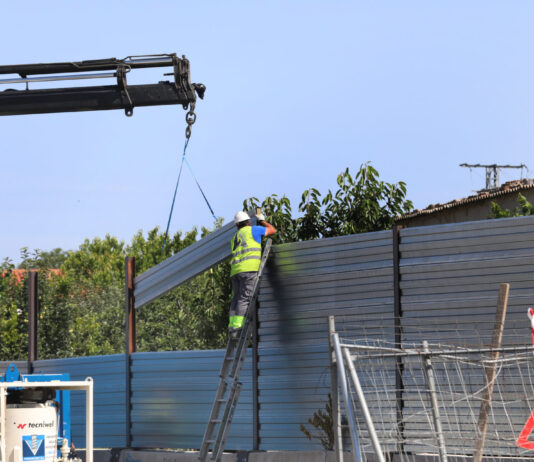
(123, 86)
(182, 80)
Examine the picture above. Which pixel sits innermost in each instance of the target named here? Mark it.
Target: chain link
(190, 118)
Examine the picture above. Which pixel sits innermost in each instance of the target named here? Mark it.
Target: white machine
(30, 416)
(32, 432)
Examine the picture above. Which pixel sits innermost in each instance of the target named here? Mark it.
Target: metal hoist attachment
(121, 95)
(123, 86)
(182, 78)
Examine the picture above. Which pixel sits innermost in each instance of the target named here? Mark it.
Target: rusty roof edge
(505, 189)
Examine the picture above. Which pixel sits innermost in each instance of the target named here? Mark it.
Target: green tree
(42, 259)
(362, 203)
(149, 251)
(82, 308)
(13, 314)
(323, 426)
(100, 261)
(192, 316)
(82, 304)
(523, 208)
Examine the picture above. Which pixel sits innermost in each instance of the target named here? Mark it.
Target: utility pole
(492, 172)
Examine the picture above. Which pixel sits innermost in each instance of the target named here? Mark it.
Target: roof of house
(19, 274)
(507, 188)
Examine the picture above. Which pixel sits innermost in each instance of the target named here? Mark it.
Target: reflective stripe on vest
(246, 252)
(236, 321)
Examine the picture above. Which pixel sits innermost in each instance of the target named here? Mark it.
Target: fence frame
(218, 250)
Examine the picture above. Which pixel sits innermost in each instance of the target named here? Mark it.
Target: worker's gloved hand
(260, 217)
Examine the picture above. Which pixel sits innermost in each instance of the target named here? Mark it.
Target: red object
(18, 275)
(523, 441)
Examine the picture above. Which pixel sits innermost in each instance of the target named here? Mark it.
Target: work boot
(234, 333)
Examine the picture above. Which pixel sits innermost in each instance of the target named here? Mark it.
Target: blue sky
(296, 92)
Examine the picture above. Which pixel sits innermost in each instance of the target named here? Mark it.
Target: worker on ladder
(246, 257)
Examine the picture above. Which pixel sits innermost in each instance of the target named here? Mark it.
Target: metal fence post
(131, 345)
(397, 318)
(33, 317)
(363, 405)
(255, 398)
(334, 392)
(496, 341)
(428, 372)
(356, 451)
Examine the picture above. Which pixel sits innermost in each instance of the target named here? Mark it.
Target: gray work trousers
(242, 286)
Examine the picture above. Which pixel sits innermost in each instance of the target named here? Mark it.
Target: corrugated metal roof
(507, 188)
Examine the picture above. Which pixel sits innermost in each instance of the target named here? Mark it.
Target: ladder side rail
(237, 363)
(231, 400)
(227, 418)
(241, 351)
(219, 399)
(231, 403)
(215, 409)
(216, 406)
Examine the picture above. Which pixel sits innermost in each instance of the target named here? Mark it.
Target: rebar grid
(459, 362)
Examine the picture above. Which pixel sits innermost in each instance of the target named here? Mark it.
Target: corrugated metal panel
(449, 283)
(350, 277)
(185, 265)
(108, 373)
(172, 394)
(450, 277)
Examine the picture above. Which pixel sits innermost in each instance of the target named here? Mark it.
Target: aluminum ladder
(229, 386)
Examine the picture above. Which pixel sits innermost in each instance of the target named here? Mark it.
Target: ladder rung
(229, 376)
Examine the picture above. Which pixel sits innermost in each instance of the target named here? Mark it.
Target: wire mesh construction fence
(435, 400)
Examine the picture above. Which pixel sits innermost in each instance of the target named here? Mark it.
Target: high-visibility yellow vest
(246, 252)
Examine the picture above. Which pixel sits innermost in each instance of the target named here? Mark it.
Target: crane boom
(94, 98)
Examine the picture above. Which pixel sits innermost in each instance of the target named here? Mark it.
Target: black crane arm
(95, 98)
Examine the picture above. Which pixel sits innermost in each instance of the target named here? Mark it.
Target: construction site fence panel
(172, 394)
(350, 277)
(450, 276)
(108, 373)
(448, 280)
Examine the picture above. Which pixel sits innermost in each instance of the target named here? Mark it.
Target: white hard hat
(241, 216)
